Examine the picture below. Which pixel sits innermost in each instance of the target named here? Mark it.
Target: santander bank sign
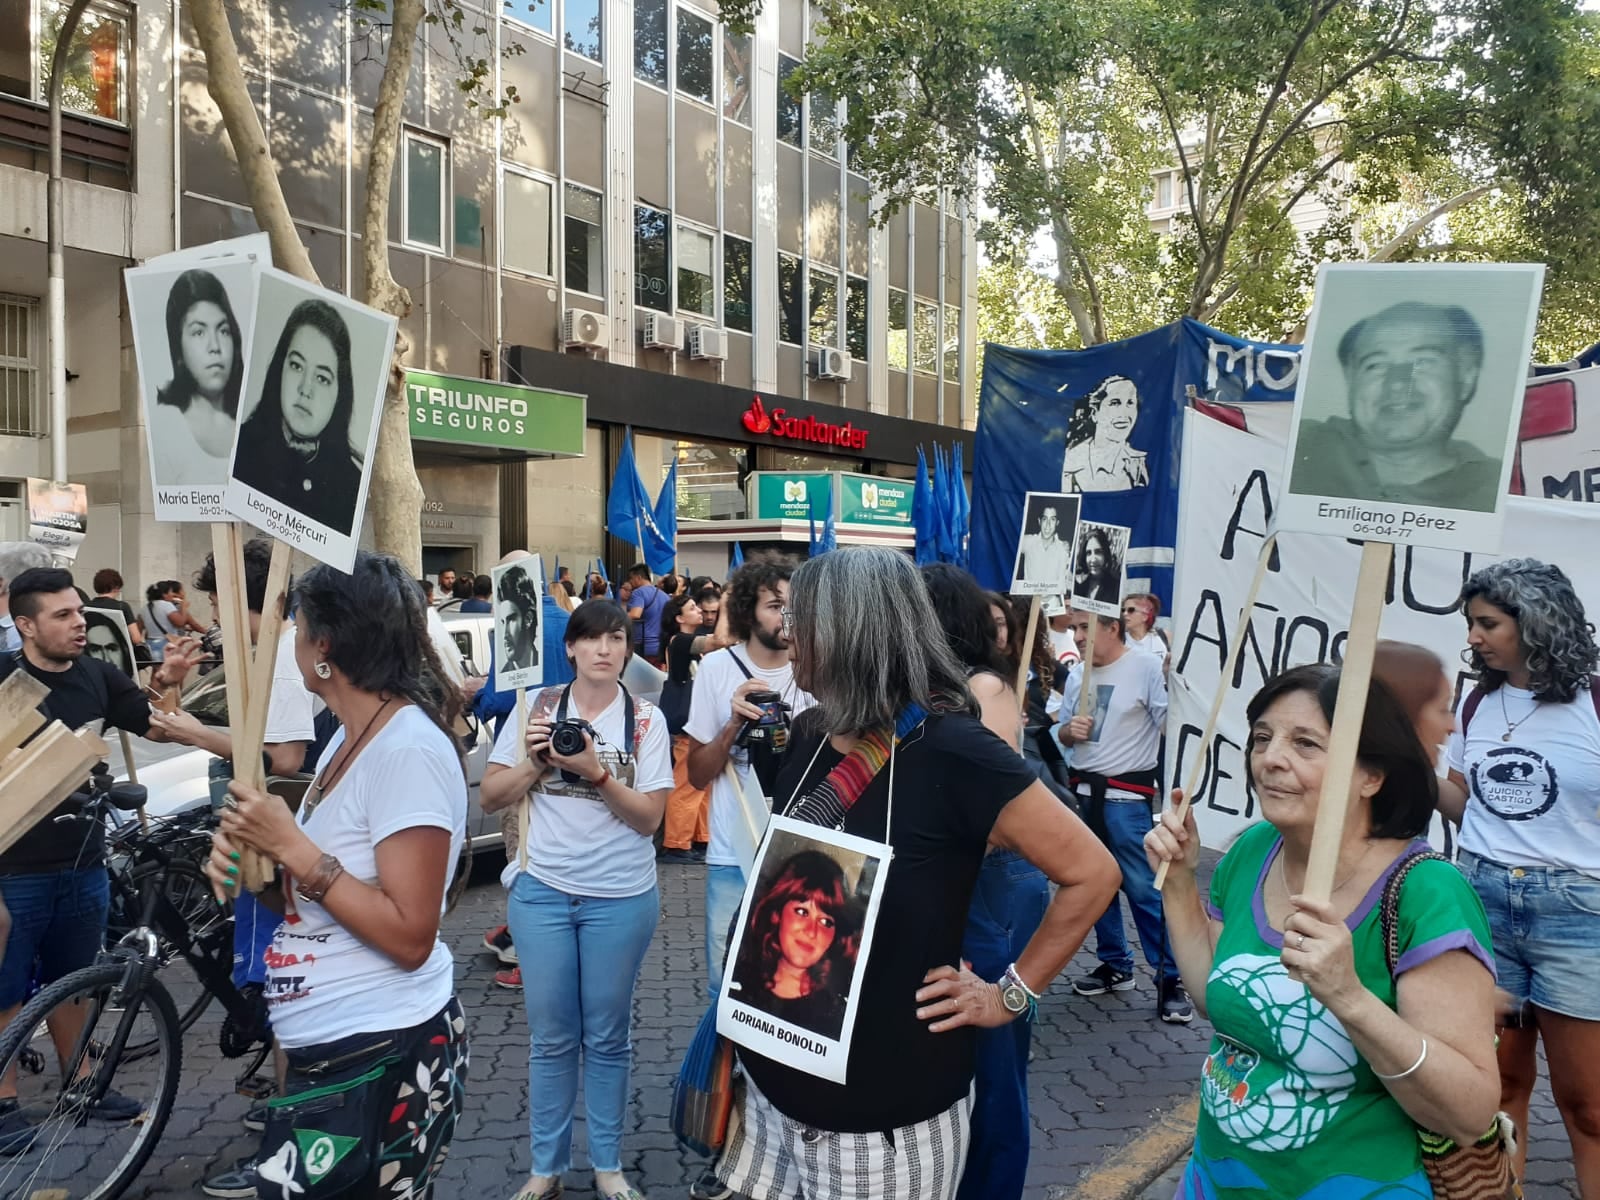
(802, 429)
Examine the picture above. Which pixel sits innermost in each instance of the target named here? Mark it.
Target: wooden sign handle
(1027, 654)
(256, 869)
(1086, 694)
(525, 805)
(1235, 648)
(1355, 675)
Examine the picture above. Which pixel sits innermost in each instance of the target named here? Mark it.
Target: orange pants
(688, 808)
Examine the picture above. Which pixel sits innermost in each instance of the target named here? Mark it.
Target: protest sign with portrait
(516, 624)
(1099, 555)
(108, 639)
(1045, 545)
(801, 947)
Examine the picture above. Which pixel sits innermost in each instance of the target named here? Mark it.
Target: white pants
(768, 1156)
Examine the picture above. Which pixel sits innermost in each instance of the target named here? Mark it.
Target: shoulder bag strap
(1475, 698)
(1390, 906)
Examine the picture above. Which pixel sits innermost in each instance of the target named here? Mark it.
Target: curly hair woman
(1524, 785)
(799, 949)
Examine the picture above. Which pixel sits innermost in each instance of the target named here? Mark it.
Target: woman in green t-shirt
(1323, 1065)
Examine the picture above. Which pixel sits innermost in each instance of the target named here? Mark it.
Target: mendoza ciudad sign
(498, 416)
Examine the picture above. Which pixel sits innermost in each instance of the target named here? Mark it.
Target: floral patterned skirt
(424, 1107)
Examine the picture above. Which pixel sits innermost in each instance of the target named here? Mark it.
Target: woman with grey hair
(895, 753)
(1524, 785)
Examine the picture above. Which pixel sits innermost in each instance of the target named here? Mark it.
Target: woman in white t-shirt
(1524, 785)
(359, 986)
(583, 903)
(1139, 632)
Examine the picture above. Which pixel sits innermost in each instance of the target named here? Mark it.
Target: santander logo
(801, 429)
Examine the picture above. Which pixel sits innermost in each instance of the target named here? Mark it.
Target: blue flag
(821, 544)
(666, 515)
(738, 558)
(944, 529)
(923, 518)
(630, 517)
(963, 507)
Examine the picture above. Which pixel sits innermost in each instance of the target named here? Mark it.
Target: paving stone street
(1104, 1068)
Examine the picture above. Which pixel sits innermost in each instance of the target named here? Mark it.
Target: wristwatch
(1012, 996)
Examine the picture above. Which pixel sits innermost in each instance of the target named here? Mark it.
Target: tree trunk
(394, 501)
(1420, 226)
(1067, 284)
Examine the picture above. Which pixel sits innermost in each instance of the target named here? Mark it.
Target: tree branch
(1420, 226)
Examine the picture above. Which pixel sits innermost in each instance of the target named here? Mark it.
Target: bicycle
(127, 1047)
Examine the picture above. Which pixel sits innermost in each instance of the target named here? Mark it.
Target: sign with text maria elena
(1107, 422)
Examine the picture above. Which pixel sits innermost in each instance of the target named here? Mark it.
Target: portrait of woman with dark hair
(1099, 456)
(192, 422)
(1097, 573)
(295, 445)
(798, 953)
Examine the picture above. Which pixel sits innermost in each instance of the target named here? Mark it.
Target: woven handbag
(1485, 1170)
(702, 1094)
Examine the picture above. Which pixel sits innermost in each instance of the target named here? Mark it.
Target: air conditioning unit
(707, 341)
(661, 332)
(833, 364)
(580, 327)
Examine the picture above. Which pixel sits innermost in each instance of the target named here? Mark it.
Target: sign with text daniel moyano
(496, 416)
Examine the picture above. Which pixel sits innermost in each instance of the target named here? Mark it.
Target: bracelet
(1015, 977)
(1421, 1058)
(605, 774)
(315, 886)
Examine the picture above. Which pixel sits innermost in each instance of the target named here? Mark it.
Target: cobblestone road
(1102, 1068)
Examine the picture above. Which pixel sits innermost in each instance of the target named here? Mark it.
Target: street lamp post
(56, 292)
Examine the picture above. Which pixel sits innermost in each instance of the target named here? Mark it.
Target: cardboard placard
(58, 516)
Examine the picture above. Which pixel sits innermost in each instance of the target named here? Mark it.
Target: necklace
(1283, 871)
(318, 791)
(1511, 726)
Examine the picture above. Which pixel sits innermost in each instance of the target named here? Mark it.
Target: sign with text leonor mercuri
(486, 414)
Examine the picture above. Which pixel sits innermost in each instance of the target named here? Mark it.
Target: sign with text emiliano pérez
(869, 500)
(498, 416)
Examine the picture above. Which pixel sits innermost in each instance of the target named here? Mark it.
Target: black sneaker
(1173, 1003)
(238, 1182)
(255, 1117)
(1104, 978)
(114, 1106)
(709, 1187)
(17, 1132)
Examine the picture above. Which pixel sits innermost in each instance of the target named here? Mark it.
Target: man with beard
(54, 878)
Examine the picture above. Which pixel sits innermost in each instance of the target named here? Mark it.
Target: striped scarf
(829, 802)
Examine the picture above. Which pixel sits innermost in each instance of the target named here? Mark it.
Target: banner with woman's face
(316, 371)
(801, 947)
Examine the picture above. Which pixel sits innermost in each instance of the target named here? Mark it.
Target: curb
(1125, 1174)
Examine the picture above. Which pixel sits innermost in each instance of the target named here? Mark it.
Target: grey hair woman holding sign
(895, 754)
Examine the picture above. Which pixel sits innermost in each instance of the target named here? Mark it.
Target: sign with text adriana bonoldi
(498, 416)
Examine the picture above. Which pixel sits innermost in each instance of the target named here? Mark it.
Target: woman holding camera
(596, 765)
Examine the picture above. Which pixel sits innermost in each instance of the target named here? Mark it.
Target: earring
(323, 670)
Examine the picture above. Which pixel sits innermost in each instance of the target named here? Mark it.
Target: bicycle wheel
(88, 1148)
(209, 926)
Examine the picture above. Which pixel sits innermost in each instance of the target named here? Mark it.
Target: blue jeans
(724, 891)
(58, 924)
(1007, 906)
(582, 956)
(1127, 821)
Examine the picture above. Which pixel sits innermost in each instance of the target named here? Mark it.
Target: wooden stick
(744, 802)
(20, 718)
(1235, 648)
(132, 768)
(1086, 697)
(525, 805)
(1027, 654)
(1355, 675)
(256, 870)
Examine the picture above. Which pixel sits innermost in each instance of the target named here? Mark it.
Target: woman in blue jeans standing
(595, 766)
(1008, 904)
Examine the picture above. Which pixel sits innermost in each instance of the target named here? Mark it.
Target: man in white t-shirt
(719, 713)
(1113, 771)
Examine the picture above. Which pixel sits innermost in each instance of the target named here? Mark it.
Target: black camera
(566, 737)
(769, 731)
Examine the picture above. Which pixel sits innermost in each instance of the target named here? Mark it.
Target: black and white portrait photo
(317, 371)
(801, 946)
(1044, 547)
(516, 624)
(1100, 455)
(107, 638)
(189, 328)
(1097, 564)
(1410, 395)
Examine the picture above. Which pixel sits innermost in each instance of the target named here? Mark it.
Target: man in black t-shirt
(54, 878)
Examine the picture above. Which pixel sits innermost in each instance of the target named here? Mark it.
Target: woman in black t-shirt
(688, 808)
(866, 645)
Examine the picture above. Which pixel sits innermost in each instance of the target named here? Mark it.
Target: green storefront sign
(870, 500)
(484, 414)
(785, 496)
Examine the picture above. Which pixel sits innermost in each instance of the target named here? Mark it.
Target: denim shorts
(58, 923)
(1545, 922)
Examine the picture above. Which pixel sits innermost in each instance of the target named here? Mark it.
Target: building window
(536, 14)
(925, 336)
(697, 281)
(898, 350)
(525, 221)
(791, 305)
(1164, 190)
(582, 25)
(96, 80)
(855, 316)
(424, 189)
(824, 307)
(736, 283)
(19, 366)
(791, 112)
(952, 342)
(652, 259)
(650, 41)
(695, 42)
(738, 70)
(825, 129)
(584, 246)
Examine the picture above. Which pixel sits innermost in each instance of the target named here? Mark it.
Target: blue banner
(1106, 422)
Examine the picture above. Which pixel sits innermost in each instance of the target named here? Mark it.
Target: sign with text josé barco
(499, 416)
